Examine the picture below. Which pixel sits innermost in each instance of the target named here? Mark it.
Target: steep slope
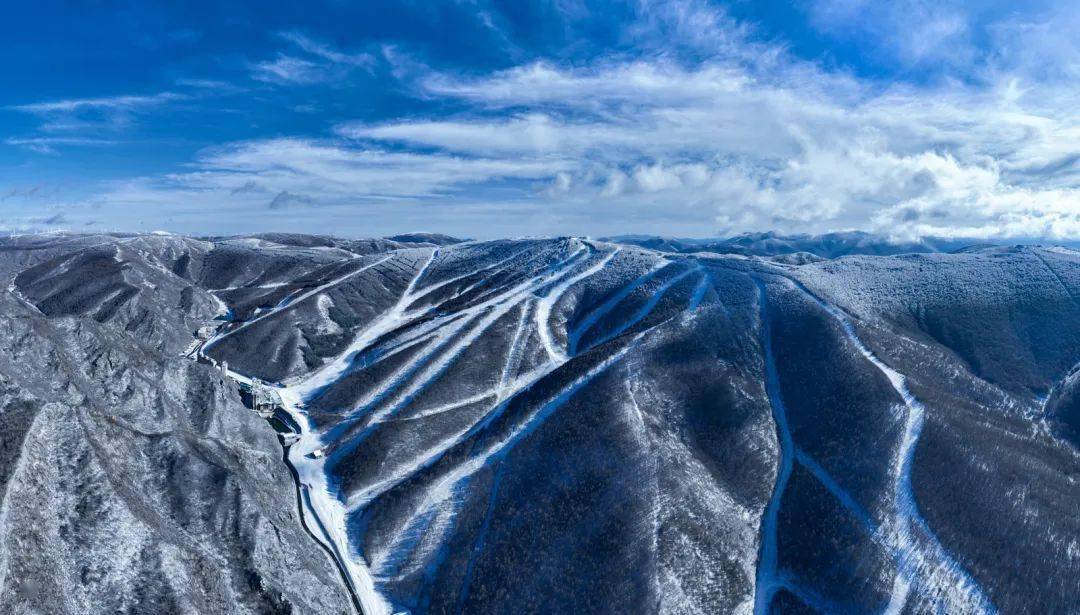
(131, 479)
(687, 433)
(577, 426)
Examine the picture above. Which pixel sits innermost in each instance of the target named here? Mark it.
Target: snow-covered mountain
(828, 245)
(543, 425)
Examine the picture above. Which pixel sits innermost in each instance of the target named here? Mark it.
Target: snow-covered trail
(487, 313)
(440, 499)
(923, 561)
(331, 372)
(647, 308)
(1057, 277)
(327, 509)
(442, 350)
(399, 315)
(547, 303)
(321, 512)
(597, 313)
(768, 581)
(442, 339)
(284, 304)
(507, 389)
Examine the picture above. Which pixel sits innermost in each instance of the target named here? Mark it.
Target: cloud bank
(711, 148)
(705, 129)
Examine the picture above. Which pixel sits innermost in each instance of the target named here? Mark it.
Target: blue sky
(484, 119)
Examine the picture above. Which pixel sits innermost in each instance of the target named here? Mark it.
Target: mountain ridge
(658, 431)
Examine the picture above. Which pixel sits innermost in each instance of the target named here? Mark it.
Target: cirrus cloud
(756, 153)
(704, 129)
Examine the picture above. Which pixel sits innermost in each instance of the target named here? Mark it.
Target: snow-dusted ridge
(308, 454)
(478, 360)
(921, 559)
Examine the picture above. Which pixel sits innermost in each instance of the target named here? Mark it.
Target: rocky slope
(132, 479)
(556, 425)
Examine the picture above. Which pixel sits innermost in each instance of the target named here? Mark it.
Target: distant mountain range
(828, 245)
(285, 423)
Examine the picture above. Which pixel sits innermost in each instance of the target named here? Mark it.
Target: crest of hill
(437, 239)
(804, 246)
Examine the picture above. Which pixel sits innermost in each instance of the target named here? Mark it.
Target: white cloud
(952, 38)
(751, 153)
(103, 103)
(322, 63)
(742, 138)
(651, 83)
(1042, 46)
(288, 70)
(659, 178)
(240, 176)
(912, 32)
(657, 147)
(47, 145)
(215, 86)
(697, 25)
(84, 121)
(534, 133)
(326, 52)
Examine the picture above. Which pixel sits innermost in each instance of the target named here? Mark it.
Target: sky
(483, 118)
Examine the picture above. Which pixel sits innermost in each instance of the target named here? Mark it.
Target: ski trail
(434, 287)
(445, 489)
(429, 374)
(322, 511)
(444, 339)
(604, 308)
(811, 598)
(428, 457)
(478, 545)
(383, 324)
(495, 309)
(325, 509)
(218, 338)
(440, 340)
(432, 455)
(822, 475)
(942, 575)
(496, 306)
(420, 273)
(398, 316)
(454, 405)
(645, 310)
(699, 291)
(377, 353)
(267, 286)
(513, 355)
(1053, 272)
(547, 302)
(653, 469)
(901, 586)
(768, 580)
